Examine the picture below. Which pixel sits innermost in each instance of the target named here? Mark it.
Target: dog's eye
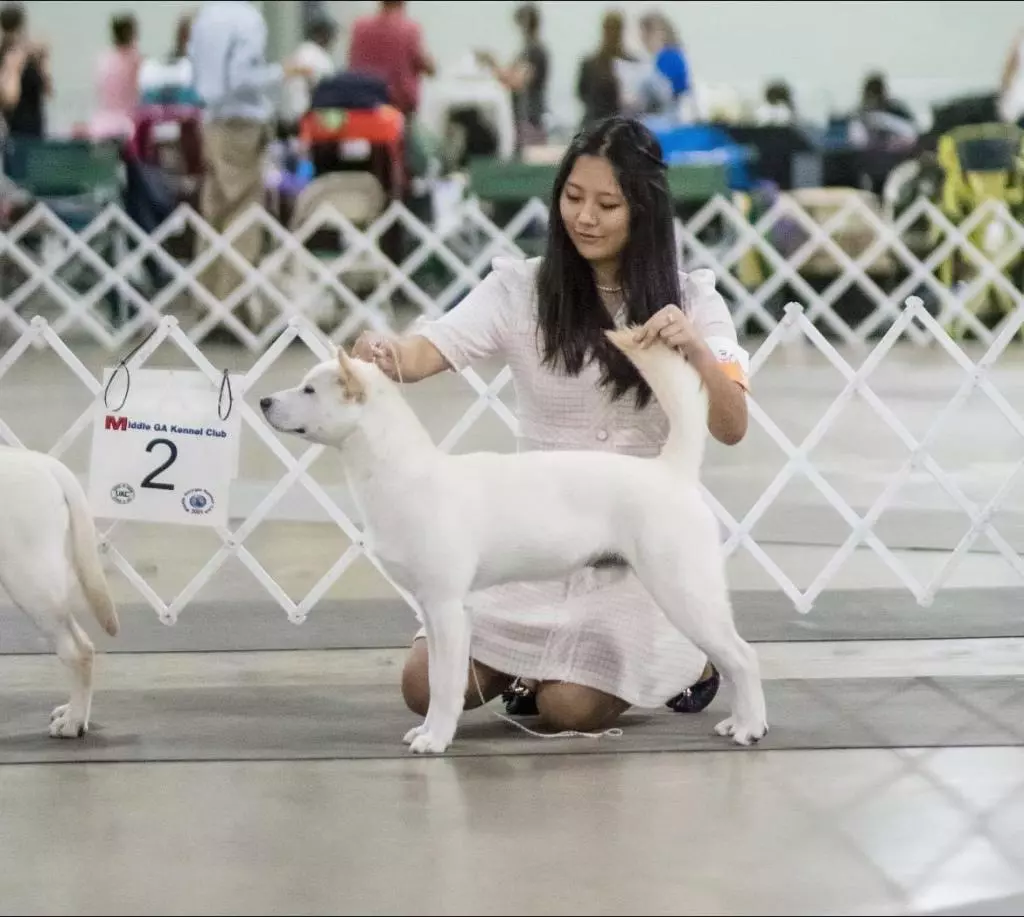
(308, 390)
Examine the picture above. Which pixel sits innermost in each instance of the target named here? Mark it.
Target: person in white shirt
(777, 109)
(228, 52)
(315, 55)
(169, 79)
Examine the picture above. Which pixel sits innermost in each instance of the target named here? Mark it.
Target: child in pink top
(117, 82)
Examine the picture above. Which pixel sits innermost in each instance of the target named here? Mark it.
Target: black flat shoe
(520, 701)
(698, 696)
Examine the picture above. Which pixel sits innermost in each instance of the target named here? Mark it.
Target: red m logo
(115, 423)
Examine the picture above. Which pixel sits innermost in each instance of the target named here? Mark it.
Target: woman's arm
(408, 359)
(727, 399)
(515, 77)
(727, 396)
(475, 329)
(10, 77)
(1011, 64)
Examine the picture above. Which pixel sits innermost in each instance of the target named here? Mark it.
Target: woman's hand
(727, 401)
(407, 359)
(672, 326)
(381, 349)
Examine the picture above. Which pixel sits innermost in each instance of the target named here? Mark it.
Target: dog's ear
(350, 381)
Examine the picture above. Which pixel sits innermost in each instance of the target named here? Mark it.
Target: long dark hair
(612, 47)
(613, 29)
(572, 318)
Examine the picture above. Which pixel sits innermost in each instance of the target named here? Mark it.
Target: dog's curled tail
(680, 392)
(85, 552)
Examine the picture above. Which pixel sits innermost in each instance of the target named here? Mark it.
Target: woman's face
(594, 210)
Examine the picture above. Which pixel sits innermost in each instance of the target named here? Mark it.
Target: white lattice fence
(798, 323)
(787, 252)
(839, 259)
(468, 257)
(794, 324)
(112, 265)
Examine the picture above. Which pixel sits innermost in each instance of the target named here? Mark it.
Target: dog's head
(327, 405)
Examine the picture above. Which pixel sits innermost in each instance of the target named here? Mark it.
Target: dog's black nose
(265, 403)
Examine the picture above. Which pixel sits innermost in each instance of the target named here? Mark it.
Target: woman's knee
(577, 708)
(416, 681)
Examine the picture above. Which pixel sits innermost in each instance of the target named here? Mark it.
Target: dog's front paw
(742, 733)
(414, 733)
(429, 743)
(64, 726)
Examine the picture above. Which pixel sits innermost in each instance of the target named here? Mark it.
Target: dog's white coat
(444, 525)
(49, 564)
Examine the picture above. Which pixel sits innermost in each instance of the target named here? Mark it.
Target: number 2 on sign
(150, 480)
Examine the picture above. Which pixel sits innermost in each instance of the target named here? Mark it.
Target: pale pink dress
(596, 628)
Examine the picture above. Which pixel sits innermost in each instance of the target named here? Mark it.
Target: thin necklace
(609, 289)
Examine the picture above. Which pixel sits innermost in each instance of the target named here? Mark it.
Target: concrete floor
(789, 833)
(837, 832)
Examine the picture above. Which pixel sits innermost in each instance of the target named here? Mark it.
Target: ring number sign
(165, 455)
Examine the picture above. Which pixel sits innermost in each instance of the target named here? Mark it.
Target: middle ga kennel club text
(123, 424)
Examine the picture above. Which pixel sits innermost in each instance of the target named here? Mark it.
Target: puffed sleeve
(713, 321)
(477, 328)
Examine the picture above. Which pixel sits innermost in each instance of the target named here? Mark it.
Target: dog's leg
(748, 719)
(448, 638)
(75, 650)
(44, 585)
(692, 592)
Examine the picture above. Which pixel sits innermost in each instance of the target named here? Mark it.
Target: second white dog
(49, 563)
(445, 525)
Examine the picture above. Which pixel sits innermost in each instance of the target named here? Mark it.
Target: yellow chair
(982, 165)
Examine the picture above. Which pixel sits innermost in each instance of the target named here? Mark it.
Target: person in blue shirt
(661, 41)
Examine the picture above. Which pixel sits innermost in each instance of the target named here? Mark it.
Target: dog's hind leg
(75, 650)
(44, 586)
(448, 639)
(692, 592)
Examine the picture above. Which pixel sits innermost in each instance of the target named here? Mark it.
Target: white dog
(444, 525)
(48, 562)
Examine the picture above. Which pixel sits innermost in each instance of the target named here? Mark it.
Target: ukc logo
(197, 502)
(122, 493)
